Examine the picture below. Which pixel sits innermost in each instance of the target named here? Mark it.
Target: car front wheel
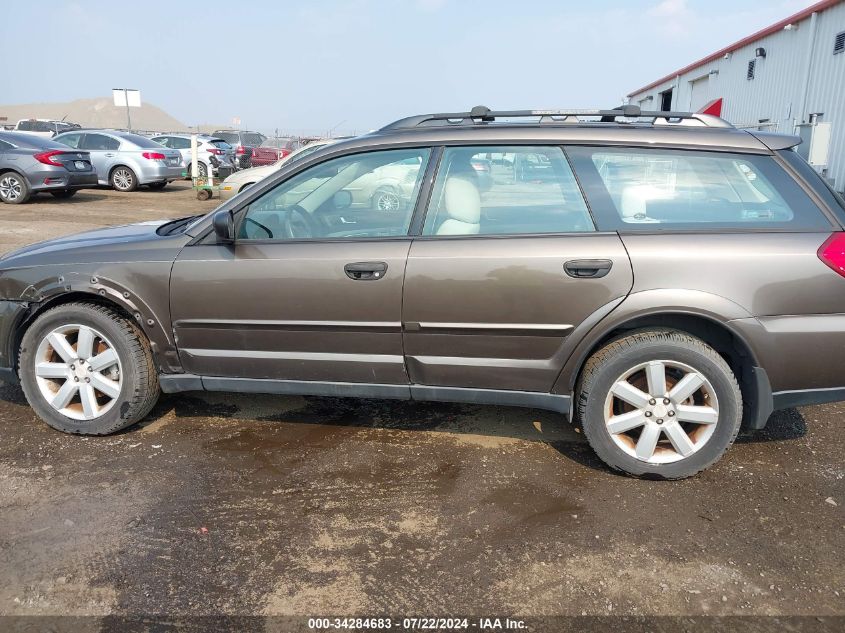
(659, 404)
(86, 369)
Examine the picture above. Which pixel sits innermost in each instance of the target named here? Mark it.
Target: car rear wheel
(659, 404)
(124, 179)
(86, 369)
(14, 188)
(202, 170)
(64, 193)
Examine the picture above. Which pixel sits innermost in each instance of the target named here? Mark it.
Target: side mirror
(224, 226)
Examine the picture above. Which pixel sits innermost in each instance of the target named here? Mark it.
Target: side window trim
(424, 198)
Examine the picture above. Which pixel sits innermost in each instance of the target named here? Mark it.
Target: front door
(509, 264)
(312, 288)
(103, 150)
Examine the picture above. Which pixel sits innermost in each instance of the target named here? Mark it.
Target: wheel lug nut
(660, 420)
(671, 413)
(652, 402)
(648, 414)
(75, 379)
(87, 380)
(73, 366)
(666, 401)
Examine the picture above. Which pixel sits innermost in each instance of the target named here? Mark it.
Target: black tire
(139, 387)
(619, 356)
(64, 193)
(157, 186)
(202, 170)
(14, 188)
(123, 179)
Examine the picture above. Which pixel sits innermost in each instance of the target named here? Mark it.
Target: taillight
(153, 155)
(241, 150)
(832, 252)
(47, 158)
(214, 150)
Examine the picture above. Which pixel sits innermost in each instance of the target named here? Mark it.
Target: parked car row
(126, 160)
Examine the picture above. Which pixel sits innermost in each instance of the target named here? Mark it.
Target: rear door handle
(587, 268)
(365, 271)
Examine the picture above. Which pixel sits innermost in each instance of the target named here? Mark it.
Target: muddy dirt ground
(254, 505)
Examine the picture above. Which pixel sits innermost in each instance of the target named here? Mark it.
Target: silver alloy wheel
(661, 411)
(78, 372)
(122, 178)
(387, 201)
(202, 171)
(10, 187)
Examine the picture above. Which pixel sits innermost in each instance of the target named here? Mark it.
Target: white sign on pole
(126, 97)
(236, 120)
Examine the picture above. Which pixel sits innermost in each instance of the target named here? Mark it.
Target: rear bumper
(158, 171)
(48, 180)
(11, 316)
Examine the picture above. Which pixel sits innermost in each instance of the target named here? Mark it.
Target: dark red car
(274, 149)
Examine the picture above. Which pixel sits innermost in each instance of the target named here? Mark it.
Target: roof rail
(481, 115)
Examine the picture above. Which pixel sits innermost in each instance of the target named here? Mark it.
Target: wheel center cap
(660, 410)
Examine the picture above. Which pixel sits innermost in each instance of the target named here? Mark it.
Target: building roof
(774, 28)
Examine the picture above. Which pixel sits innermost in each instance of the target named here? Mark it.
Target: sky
(354, 65)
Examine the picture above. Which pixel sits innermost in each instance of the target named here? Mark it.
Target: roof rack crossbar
(480, 115)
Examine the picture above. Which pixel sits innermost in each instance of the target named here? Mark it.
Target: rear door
(508, 266)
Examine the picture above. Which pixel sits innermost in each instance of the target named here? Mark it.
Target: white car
(241, 180)
(213, 154)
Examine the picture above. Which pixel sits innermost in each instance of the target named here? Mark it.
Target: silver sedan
(125, 160)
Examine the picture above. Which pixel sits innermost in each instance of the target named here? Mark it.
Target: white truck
(43, 127)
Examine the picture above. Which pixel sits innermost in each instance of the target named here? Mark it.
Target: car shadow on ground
(83, 197)
(481, 421)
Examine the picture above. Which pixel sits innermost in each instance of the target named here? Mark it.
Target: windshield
(251, 138)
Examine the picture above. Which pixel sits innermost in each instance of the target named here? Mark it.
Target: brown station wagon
(663, 279)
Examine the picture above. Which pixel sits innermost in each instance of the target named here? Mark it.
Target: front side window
(71, 140)
(364, 196)
(645, 189)
(505, 190)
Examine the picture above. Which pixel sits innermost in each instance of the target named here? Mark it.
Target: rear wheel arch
(733, 347)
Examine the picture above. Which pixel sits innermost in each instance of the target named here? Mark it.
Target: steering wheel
(298, 223)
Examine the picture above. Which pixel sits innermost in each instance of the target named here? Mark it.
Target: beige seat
(462, 207)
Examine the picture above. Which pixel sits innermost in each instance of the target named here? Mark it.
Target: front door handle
(587, 268)
(110, 155)
(365, 271)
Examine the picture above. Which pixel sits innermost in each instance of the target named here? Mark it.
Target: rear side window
(252, 139)
(4, 145)
(229, 137)
(221, 144)
(500, 190)
(99, 142)
(653, 189)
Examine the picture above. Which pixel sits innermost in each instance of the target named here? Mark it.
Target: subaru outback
(660, 278)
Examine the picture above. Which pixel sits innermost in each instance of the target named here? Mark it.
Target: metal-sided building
(788, 78)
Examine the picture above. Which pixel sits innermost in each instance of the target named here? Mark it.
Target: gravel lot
(254, 505)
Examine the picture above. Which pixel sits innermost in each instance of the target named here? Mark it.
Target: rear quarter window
(654, 190)
(820, 186)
